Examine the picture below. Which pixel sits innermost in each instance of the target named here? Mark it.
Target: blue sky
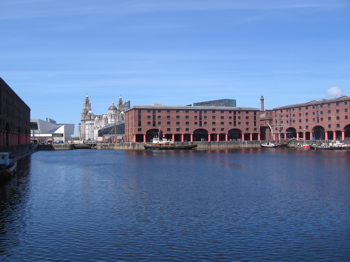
(55, 52)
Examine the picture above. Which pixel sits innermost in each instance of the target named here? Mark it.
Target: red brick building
(192, 123)
(14, 118)
(326, 119)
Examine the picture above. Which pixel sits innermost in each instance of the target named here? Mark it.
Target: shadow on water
(13, 195)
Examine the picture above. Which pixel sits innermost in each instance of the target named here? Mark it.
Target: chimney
(262, 104)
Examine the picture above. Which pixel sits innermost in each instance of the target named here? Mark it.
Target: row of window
(314, 119)
(204, 117)
(314, 113)
(196, 111)
(200, 123)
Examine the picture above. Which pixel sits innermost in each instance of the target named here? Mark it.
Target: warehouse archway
(200, 135)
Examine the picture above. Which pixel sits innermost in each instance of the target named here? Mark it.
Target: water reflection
(249, 204)
(13, 199)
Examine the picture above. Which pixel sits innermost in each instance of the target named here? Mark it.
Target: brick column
(326, 135)
(343, 135)
(226, 137)
(209, 137)
(242, 136)
(218, 137)
(182, 137)
(334, 135)
(251, 137)
(191, 138)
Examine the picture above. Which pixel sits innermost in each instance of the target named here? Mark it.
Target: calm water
(243, 205)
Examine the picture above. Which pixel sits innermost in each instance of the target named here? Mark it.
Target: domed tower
(112, 114)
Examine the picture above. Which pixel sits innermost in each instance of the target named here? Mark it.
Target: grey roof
(159, 106)
(318, 102)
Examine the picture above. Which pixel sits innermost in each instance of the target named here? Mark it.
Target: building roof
(317, 102)
(45, 127)
(159, 106)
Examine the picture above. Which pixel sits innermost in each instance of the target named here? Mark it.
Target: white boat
(161, 143)
(334, 145)
(8, 165)
(268, 145)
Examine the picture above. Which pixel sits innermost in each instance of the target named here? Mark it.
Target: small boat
(334, 145)
(269, 144)
(8, 165)
(161, 143)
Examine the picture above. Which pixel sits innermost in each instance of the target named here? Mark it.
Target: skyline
(53, 54)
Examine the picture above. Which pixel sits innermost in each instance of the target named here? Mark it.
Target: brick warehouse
(14, 118)
(325, 119)
(192, 123)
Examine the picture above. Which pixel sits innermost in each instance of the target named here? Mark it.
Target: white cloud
(334, 92)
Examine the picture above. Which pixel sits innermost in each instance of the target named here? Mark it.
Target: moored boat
(269, 144)
(161, 143)
(8, 165)
(334, 145)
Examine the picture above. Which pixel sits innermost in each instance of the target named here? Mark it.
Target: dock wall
(202, 145)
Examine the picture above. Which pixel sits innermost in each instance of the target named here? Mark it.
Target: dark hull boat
(151, 146)
(161, 143)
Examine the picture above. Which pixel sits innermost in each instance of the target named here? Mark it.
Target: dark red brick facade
(14, 117)
(326, 119)
(192, 123)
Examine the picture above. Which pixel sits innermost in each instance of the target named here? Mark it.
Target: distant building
(14, 118)
(91, 124)
(220, 102)
(48, 132)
